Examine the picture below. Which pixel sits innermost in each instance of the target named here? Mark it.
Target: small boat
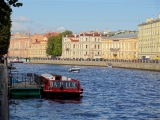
(76, 69)
(16, 60)
(109, 65)
(60, 86)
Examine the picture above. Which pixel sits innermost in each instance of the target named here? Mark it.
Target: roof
(37, 37)
(38, 42)
(152, 21)
(126, 35)
(72, 40)
(49, 34)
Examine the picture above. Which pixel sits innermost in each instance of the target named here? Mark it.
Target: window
(135, 46)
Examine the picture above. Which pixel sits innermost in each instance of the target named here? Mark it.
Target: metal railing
(23, 80)
(101, 59)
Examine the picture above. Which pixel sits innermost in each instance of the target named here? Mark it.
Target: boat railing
(23, 80)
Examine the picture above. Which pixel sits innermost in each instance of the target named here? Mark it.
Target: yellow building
(38, 49)
(121, 46)
(149, 39)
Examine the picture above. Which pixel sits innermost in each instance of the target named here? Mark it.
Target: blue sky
(39, 16)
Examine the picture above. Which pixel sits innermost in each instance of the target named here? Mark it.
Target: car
(97, 59)
(88, 59)
(81, 59)
(101, 59)
(93, 59)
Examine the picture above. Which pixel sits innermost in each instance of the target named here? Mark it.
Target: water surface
(109, 94)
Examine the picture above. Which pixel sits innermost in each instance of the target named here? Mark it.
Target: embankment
(130, 65)
(4, 115)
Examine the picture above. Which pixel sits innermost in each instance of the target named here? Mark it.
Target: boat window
(58, 77)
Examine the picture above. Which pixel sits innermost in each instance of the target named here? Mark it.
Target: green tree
(54, 45)
(5, 23)
(67, 32)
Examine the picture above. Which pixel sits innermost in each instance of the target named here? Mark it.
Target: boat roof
(46, 75)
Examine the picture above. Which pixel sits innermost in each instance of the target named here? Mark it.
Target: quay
(4, 110)
(141, 65)
(15, 85)
(24, 85)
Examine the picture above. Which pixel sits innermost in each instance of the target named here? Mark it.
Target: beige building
(83, 45)
(19, 45)
(121, 46)
(26, 45)
(38, 48)
(149, 39)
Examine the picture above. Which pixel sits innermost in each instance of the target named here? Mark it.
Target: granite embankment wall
(130, 65)
(4, 114)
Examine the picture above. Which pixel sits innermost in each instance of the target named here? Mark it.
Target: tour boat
(109, 65)
(60, 86)
(75, 69)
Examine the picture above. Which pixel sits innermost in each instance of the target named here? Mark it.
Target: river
(109, 94)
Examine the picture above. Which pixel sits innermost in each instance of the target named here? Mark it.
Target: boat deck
(24, 86)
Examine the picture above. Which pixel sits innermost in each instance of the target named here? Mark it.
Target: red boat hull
(60, 86)
(46, 94)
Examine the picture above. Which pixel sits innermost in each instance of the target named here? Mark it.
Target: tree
(54, 45)
(5, 23)
(67, 32)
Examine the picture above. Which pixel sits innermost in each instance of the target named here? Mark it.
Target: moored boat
(109, 65)
(60, 86)
(16, 60)
(74, 69)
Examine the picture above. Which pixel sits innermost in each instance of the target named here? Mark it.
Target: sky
(39, 16)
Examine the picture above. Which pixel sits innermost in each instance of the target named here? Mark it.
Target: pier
(24, 85)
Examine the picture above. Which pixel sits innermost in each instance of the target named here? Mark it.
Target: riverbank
(4, 114)
(117, 64)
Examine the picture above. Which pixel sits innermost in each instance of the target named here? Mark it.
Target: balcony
(86, 55)
(67, 49)
(97, 54)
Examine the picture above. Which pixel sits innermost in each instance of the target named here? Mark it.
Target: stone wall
(4, 114)
(130, 65)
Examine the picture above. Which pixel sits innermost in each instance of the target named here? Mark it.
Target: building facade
(121, 46)
(19, 45)
(26, 45)
(149, 39)
(83, 45)
(38, 49)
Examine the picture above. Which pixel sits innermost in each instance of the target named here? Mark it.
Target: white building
(83, 45)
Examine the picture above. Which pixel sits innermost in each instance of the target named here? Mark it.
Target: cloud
(21, 19)
(19, 27)
(23, 24)
(61, 29)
